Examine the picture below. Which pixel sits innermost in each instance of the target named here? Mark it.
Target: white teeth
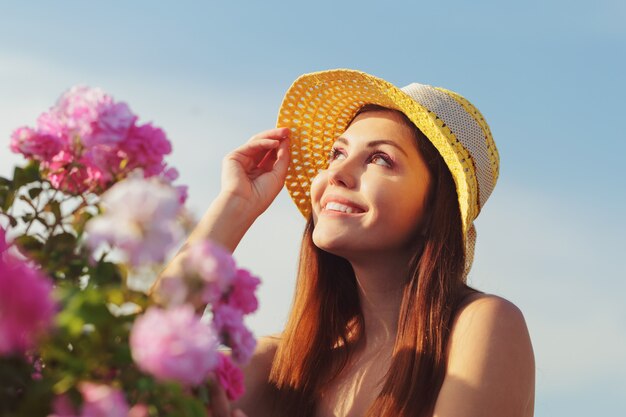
(339, 207)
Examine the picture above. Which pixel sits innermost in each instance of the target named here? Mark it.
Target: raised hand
(255, 172)
(220, 407)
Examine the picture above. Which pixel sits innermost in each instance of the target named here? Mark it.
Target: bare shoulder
(488, 313)
(256, 374)
(491, 368)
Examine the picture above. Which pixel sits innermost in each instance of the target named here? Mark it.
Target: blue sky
(547, 75)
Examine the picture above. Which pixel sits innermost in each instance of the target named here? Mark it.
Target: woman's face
(372, 197)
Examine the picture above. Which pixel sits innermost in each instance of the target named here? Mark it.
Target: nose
(343, 173)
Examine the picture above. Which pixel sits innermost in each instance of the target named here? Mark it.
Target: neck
(380, 281)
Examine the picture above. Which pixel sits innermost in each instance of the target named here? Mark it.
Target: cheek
(318, 184)
(400, 206)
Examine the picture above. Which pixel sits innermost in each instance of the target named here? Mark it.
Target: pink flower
(140, 219)
(145, 147)
(174, 344)
(230, 377)
(102, 401)
(242, 295)
(170, 174)
(35, 145)
(112, 125)
(87, 141)
(3, 242)
(214, 265)
(26, 305)
(62, 407)
(65, 173)
(182, 193)
(229, 323)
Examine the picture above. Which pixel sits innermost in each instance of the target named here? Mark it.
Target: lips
(341, 205)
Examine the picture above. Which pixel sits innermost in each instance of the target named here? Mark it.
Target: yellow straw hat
(318, 107)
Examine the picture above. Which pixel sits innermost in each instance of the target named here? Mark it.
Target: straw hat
(318, 107)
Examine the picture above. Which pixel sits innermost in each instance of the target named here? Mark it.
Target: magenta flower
(140, 219)
(26, 305)
(229, 323)
(242, 295)
(230, 377)
(174, 345)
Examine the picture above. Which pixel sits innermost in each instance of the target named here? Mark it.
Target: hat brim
(317, 109)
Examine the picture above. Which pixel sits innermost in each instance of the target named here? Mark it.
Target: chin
(333, 244)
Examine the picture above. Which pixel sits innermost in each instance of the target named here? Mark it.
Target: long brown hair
(326, 315)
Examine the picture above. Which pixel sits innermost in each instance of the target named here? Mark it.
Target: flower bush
(94, 208)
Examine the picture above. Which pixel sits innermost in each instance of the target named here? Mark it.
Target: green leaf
(106, 272)
(63, 242)
(29, 244)
(26, 175)
(7, 197)
(34, 192)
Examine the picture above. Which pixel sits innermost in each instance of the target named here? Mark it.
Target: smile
(342, 208)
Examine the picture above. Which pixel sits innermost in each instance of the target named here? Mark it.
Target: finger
(276, 133)
(256, 146)
(268, 161)
(238, 413)
(282, 159)
(276, 160)
(220, 407)
(251, 154)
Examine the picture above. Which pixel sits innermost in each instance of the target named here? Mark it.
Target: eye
(381, 159)
(336, 153)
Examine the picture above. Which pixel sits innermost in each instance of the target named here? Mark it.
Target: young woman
(383, 323)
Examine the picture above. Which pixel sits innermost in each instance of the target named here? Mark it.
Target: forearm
(225, 222)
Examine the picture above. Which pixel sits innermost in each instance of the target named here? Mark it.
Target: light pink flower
(51, 123)
(140, 218)
(229, 323)
(174, 345)
(138, 410)
(78, 109)
(172, 291)
(230, 377)
(26, 305)
(242, 294)
(214, 265)
(102, 401)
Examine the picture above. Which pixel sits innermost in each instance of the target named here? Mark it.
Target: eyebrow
(375, 143)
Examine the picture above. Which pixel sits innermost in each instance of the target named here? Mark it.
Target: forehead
(381, 125)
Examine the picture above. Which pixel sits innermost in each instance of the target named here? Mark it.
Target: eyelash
(335, 152)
